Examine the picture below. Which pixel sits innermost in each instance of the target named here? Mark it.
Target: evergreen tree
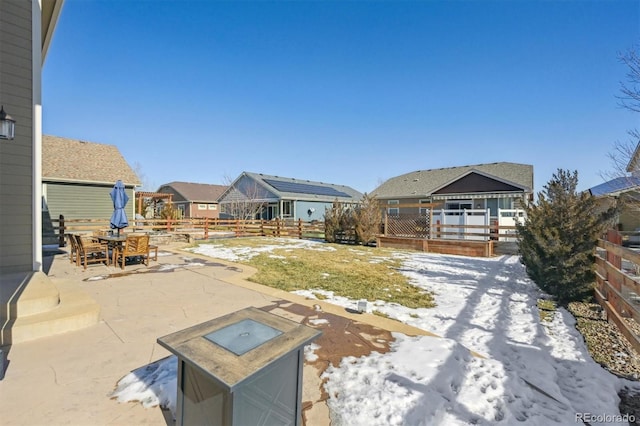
(558, 238)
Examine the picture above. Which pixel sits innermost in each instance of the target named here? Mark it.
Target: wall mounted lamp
(7, 125)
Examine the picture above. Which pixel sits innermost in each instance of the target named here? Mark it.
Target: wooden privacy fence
(197, 228)
(618, 285)
(417, 233)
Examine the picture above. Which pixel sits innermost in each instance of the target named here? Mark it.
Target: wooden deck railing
(419, 227)
(474, 232)
(198, 228)
(618, 284)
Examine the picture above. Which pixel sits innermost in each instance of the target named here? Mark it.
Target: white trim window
(286, 209)
(202, 206)
(213, 207)
(393, 211)
(459, 205)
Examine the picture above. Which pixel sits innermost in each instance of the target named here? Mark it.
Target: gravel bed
(611, 349)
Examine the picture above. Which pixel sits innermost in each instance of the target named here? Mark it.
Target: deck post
(61, 242)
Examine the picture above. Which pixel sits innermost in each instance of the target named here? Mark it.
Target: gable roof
(196, 192)
(423, 183)
(71, 160)
(300, 189)
(634, 161)
(615, 186)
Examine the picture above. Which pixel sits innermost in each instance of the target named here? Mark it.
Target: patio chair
(73, 248)
(134, 246)
(90, 251)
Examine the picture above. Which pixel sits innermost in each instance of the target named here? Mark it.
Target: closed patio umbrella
(120, 199)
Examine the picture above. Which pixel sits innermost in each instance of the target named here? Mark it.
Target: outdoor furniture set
(86, 249)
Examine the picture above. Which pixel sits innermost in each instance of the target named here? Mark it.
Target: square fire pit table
(244, 368)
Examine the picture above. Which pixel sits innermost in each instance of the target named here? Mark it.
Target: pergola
(154, 196)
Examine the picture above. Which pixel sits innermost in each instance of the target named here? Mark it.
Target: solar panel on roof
(618, 184)
(305, 188)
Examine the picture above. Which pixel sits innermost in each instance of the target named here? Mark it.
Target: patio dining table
(114, 242)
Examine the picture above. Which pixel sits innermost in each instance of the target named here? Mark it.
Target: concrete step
(75, 310)
(28, 294)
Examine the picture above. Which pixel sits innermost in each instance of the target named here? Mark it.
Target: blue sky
(347, 92)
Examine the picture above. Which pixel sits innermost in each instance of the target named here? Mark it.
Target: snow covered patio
(536, 372)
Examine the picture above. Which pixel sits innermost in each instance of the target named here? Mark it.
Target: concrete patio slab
(68, 379)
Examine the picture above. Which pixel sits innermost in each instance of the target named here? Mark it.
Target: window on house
(286, 208)
(459, 205)
(213, 207)
(393, 211)
(505, 203)
(181, 210)
(202, 206)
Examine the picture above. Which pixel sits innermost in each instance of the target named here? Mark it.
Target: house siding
(253, 189)
(82, 201)
(302, 210)
(192, 210)
(16, 164)
(384, 205)
(629, 220)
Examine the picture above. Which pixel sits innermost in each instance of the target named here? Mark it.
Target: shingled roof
(196, 192)
(425, 182)
(71, 160)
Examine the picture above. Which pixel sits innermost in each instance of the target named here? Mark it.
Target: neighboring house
(194, 200)
(77, 177)
(255, 195)
(625, 191)
(491, 186)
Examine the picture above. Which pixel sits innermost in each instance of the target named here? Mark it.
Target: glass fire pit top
(243, 336)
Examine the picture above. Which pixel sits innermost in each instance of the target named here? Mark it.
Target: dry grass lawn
(355, 272)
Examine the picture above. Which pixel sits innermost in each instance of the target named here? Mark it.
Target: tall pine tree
(558, 238)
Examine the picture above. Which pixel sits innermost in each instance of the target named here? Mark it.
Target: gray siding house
(26, 29)
(490, 186)
(77, 177)
(31, 306)
(194, 200)
(256, 195)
